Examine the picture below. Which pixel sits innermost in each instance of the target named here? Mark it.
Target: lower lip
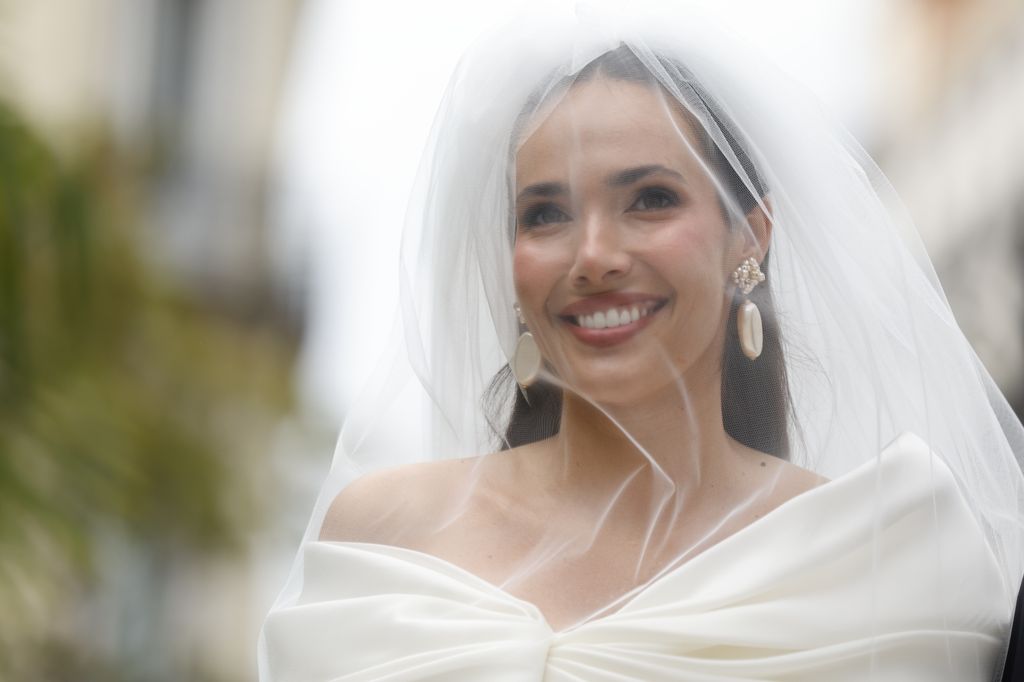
(602, 338)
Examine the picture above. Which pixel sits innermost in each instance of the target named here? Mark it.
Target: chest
(574, 569)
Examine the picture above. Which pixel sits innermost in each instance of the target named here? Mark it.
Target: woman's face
(622, 256)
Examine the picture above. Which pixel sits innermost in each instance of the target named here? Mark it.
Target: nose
(601, 256)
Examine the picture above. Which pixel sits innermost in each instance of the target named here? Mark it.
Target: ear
(759, 236)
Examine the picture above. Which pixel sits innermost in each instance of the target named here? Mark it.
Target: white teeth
(614, 317)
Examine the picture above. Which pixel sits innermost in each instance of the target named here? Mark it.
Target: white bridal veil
(747, 375)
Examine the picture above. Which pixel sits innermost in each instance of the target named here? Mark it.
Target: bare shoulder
(785, 479)
(794, 480)
(377, 506)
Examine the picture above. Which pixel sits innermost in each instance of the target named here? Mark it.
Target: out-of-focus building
(951, 139)
(188, 89)
(186, 92)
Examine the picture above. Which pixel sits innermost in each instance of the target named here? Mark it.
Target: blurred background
(193, 276)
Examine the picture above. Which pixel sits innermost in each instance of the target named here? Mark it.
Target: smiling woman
(631, 472)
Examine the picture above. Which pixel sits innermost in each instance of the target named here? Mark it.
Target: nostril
(599, 264)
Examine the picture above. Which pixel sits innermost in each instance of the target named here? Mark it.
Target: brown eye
(654, 199)
(543, 214)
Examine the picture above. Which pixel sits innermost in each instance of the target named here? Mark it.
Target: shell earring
(748, 318)
(525, 361)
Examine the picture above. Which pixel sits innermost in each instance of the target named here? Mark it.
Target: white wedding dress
(820, 590)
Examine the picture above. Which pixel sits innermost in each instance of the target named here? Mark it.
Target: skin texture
(588, 224)
(663, 234)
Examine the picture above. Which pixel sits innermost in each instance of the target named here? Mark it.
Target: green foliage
(127, 404)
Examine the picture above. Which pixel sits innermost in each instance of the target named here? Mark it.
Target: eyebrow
(631, 175)
(617, 179)
(542, 189)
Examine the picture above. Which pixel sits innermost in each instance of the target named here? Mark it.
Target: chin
(617, 389)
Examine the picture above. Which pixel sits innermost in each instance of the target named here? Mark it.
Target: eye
(543, 214)
(654, 199)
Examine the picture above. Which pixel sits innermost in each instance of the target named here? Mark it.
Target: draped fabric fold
(786, 598)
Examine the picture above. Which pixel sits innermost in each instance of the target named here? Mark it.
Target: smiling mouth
(617, 316)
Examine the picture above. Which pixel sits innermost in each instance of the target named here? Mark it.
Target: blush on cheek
(528, 274)
(682, 242)
(533, 264)
(520, 268)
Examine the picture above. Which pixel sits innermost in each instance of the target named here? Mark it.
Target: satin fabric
(821, 588)
(1013, 669)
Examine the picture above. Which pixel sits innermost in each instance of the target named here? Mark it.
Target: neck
(670, 437)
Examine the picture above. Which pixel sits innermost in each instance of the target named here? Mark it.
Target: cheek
(691, 255)
(686, 241)
(534, 269)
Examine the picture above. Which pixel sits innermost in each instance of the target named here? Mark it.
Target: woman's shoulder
(783, 478)
(381, 503)
(363, 510)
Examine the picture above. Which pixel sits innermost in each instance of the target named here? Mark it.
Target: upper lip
(612, 299)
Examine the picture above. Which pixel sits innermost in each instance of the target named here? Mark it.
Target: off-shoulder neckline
(912, 447)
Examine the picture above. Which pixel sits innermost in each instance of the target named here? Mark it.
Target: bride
(734, 430)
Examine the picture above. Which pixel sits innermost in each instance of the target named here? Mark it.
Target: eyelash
(663, 194)
(533, 217)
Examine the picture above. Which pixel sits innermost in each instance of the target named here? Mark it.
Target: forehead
(603, 124)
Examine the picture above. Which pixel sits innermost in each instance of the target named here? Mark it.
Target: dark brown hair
(755, 394)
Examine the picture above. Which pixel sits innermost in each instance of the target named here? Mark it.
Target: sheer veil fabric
(848, 504)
